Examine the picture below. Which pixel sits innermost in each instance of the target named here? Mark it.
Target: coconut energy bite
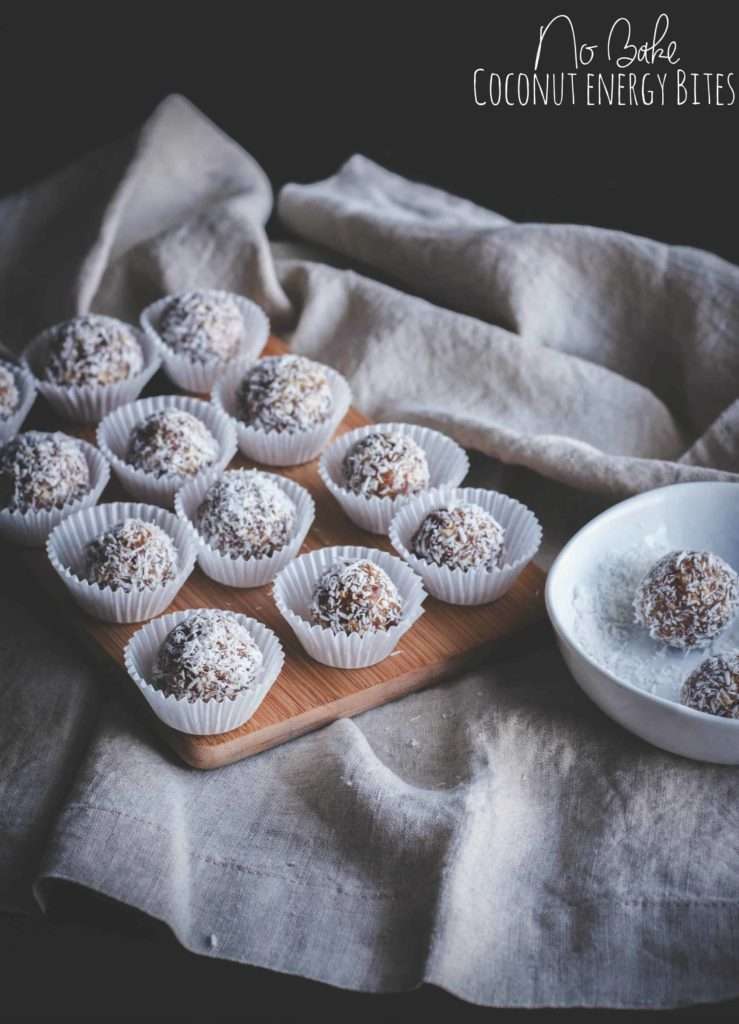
(203, 326)
(463, 537)
(171, 442)
(208, 656)
(246, 514)
(714, 686)
(42, 471)
(284, 394)
(92, 350)
(687, 598)
(132, 555)
(355, 597)
(10, 397)
(386, 464)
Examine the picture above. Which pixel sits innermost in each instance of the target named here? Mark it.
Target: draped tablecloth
(496, 835)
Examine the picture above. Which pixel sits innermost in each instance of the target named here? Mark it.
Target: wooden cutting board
(308, 695)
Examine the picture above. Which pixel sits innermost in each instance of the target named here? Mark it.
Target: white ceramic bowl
(697, 516)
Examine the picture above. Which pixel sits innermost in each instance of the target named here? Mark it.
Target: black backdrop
(303, 88)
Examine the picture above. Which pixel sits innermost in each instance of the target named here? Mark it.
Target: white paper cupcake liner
(30, 529)
(477, 586)
(448, 466)
(66, 550)
(273, 449)
(200, 377)
(293, 590)
(27, 390)
(89, 403)
(202, 718)
(115, 430)
(244, 572)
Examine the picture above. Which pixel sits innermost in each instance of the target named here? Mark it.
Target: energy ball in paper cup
(211, 448)
(198, 333)
(374, 470)
(487, 556)
(149, 558)
(17, 395)
(260, 516)
(401, 590)
(232, 686)
(88, 366)
(60, 476)
(294, 439)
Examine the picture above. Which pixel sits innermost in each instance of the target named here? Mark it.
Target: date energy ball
(204, 326)
(355, 597)
(171, 442)
(10, 397)
(246, 514)
(687, 598)
(132, 555)
(94, 350)
(284, 394)
(463, 536)
(208, 656)
(714, 686)
(40, 471)
(386, 464)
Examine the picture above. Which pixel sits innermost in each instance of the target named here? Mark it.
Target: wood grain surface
(308, 695)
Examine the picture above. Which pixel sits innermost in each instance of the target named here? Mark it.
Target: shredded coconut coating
(386, 465)
(42, 471)
(355, 597)
(171, 441)
(245, 514)
(208, 656)
(10, 397)
(202, 326)
(92, 349)
(714, 686)
(132, 555)
(462, 536)
(687, 598)
(285, 394)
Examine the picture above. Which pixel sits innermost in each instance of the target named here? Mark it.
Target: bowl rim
(616, 511)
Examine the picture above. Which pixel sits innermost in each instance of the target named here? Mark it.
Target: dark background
(303, 87)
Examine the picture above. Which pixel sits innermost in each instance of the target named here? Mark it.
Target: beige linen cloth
(496, 835)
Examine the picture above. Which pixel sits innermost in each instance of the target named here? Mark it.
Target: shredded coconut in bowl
(605, 626)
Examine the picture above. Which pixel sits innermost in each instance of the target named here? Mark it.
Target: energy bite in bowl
(132, 555)
(284, 394)
(687, 598)
(246, 514)
(171, 442)
(42, 471)
(203, 326)
(355, 597)
(92, 350)
(10, 397)
(387, 464)
(209, 656)
(714, 686)
(462, 536)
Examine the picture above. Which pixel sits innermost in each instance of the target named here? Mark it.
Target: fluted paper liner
(27, 391)
(30, 529)
(114, 432)
(281, 449)
(448, 466)
(89, 403)
(293, 589)
(203, 717)
(244, 572)
(66, 550)
(200, 377)
(476, 586)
